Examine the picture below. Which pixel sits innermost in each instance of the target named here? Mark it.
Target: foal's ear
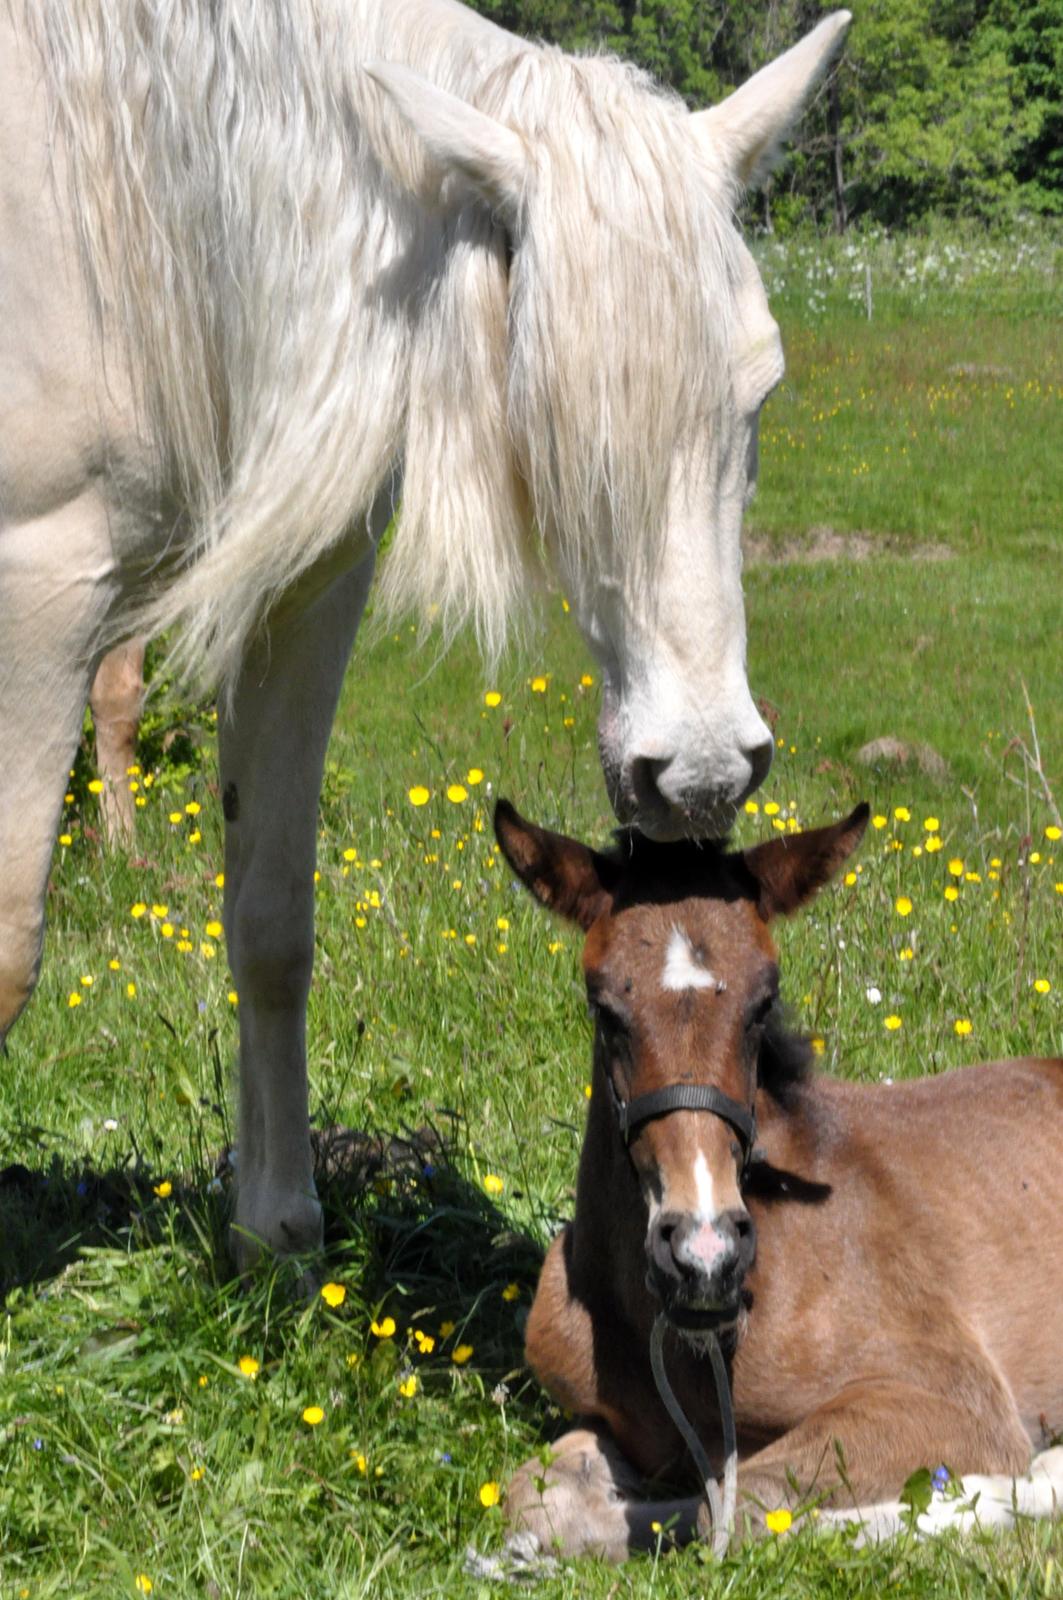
(792, 868)
(562, 874)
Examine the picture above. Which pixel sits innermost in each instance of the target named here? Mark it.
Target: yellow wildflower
(493, 1184)
(456, 793)
(312, 1415)
(538, 685)
(1042, 985)
(95, 786)
(492, 698)
(409, 1386)
(418, 795)
(892, 1022)
(164, 1189)
(333, 1294)
(384, 1329)
(490, 1494)
(249, 1366)
(903, 906)
(474, 776)
(962, 1027)
(460, 1354)
(779, 1521)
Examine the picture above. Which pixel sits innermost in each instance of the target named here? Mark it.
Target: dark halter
(631, 1114)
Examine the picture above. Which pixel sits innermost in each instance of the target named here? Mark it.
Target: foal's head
(682, 978)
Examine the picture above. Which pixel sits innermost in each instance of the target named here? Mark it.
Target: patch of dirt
(889, 751)
(824, 543)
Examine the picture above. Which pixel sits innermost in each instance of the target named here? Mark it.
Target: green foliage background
(951, 106)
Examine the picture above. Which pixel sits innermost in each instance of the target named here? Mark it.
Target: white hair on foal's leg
(978, 1500)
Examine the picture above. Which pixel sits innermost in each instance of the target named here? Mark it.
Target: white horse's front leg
(272, 753)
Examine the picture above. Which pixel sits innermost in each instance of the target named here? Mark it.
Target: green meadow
(166, 1430)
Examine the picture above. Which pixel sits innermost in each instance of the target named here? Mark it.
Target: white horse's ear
(747, 128)
(459, 137)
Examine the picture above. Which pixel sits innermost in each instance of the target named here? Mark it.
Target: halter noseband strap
(631, 1114)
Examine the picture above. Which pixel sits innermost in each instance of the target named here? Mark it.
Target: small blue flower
(82, 1189)
(38, 1444)
(940, 1478)
(428, 1170)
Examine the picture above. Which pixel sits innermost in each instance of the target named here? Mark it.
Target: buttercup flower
(249, 1366)
(490, 1494)
(460, 1354)
(456, 793)
(892, 1022)
(409, 1386)
(903, 906)
(333, 1294)
(962, 1027)
(418, 795)
(384, 1329)
(492, 698)
(493, 1185)
(779, 1521)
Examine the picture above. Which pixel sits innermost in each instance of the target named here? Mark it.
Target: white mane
(303, 301)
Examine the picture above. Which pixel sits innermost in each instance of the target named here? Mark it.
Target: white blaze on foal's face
(683, 968)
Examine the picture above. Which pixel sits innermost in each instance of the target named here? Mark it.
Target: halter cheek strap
(632, 1114)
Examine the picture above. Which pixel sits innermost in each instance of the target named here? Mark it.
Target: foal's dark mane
(642, 871)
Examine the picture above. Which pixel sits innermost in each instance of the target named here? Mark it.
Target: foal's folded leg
(860, 1449)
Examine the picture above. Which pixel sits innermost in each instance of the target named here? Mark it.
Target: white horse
(261, 268)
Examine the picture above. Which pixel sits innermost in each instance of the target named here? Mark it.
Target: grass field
(155, 1434)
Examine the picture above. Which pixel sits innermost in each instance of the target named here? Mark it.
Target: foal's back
(938, 1236)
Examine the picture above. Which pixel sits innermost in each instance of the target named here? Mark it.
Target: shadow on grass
(403, 1226)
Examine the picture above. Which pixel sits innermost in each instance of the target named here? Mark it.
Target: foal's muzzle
(697, 1268)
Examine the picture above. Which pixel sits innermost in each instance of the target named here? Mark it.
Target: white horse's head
(639, 352)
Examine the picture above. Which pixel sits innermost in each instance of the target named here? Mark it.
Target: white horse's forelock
(303, 301)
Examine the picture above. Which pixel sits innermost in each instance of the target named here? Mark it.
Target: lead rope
(721, 1511)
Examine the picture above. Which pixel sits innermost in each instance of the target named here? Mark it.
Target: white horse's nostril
(643, 782)
(759, 758)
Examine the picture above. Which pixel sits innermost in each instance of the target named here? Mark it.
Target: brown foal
(879, 1261)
